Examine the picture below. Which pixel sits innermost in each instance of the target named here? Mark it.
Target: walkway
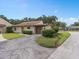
(69, 50)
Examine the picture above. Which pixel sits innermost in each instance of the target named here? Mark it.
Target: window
(14, 28)
(28, 27)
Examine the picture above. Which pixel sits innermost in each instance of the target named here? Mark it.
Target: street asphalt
(68, 50)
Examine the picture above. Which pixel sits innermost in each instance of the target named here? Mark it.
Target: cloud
(56, 11)
(69, 21)
(61, 18)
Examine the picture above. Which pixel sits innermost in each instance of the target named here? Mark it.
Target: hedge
(48, 33)
(28, 32)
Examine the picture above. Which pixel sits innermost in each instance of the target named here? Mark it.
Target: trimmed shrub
(48, 33)
(9, 30)
(56, 28)
(53, 42)
(27, 32)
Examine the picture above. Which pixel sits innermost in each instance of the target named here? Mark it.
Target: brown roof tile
(2, 25)
(31, 23)
(4, 22)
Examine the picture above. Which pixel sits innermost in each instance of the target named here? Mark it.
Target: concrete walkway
(69, 50)
(1, 38)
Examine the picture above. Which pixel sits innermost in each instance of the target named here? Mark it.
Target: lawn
(53, 42)
(10, 36)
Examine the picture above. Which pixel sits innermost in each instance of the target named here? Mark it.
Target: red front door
(38, 30)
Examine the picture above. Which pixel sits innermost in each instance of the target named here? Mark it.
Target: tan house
(35, 26)
(3, 25)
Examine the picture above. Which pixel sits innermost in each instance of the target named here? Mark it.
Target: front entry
(38, 30)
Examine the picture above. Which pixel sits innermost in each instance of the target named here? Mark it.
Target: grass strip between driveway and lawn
(10, 36)
(53, 42)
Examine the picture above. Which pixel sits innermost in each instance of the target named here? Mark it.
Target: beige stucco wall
(18, 30)
(31, 28)
(2, 29)
(25, 28)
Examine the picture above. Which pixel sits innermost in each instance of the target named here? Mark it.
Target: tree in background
(4, 17)
(14, 21)
(48, 19)
(75, 24)
(61, 25)
(45, 19)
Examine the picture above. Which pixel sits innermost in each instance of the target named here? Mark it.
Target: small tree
(9, 30)
(54, 26)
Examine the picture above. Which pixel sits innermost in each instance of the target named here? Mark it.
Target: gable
(4, 22)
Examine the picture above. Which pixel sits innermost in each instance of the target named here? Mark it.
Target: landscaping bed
(10, 36)
(54, 41)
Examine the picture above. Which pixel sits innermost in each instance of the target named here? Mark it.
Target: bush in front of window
(9, 30)
(29, 32)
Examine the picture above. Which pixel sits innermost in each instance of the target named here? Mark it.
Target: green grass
(10, 36)
(53, 42)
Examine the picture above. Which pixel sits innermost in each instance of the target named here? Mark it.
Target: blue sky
(65, 10)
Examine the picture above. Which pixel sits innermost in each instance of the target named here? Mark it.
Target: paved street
(69, 50)
(24, 48)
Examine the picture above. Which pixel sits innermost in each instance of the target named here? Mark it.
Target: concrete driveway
(69, 50)
(2, 39)
(24, 48)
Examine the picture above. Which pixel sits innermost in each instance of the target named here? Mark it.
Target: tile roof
(2, 25)
(31, 23)
(4, 22)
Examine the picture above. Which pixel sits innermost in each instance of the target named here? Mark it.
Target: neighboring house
(73, 28)
(60, 28)
(35, 26)
(3, 25)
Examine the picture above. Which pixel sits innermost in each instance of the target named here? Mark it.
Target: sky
(65, 10)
